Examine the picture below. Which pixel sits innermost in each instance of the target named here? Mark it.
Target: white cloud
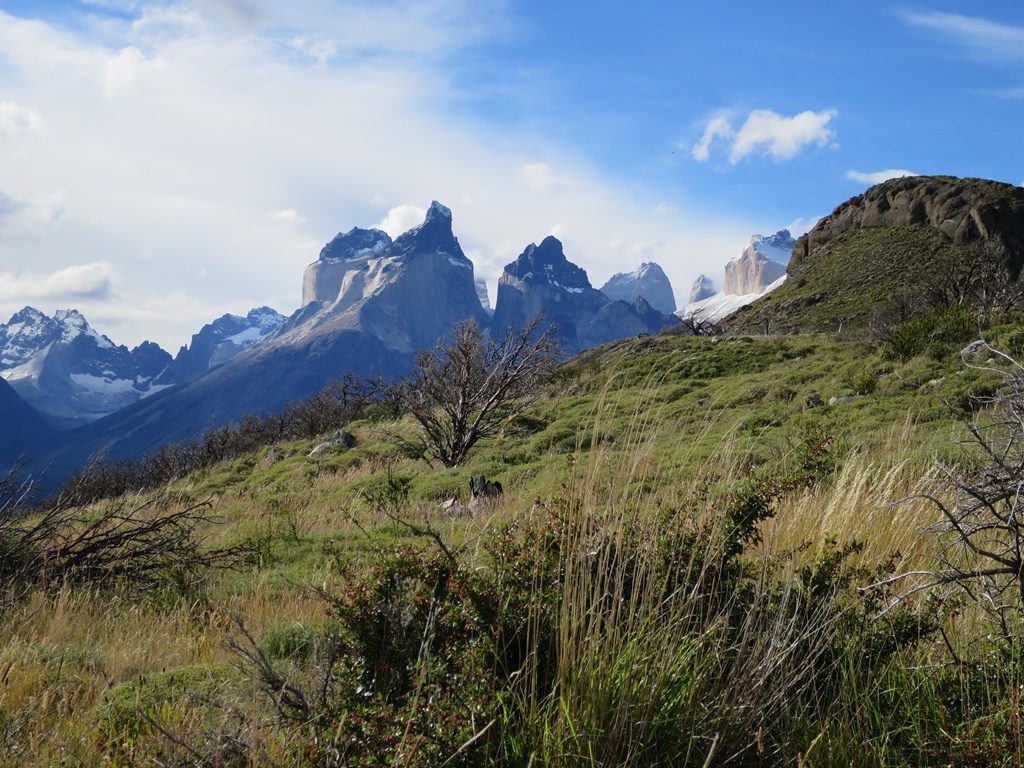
(401, 219)
(779, 137)
(767, 133)
(215, 131)
(29, 218)
(288, 216)
(983, 38)
(17, 122)
(82, 281)
(877, 177)
(664, 208)
(318, 49)
(122, 70)
(540, 177)
(802, 225)
(717, 127)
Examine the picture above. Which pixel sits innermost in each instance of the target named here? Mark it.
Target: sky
(163, 162)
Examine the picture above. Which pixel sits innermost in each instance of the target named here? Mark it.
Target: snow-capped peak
(73, 324)
(777, 247)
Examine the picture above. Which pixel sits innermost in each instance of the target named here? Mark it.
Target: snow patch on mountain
(69, 372)
(719, 306)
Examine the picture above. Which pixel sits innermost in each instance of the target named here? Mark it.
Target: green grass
(630, 432)
(848, 279)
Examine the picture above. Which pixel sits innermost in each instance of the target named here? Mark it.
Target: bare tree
(467, 390)
(976, 277)
(980, 529)
(698, 323)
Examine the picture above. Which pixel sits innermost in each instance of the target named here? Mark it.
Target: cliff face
(750, 273)
(649, 281)
(762, 262)
(966, 211)
(346, 254)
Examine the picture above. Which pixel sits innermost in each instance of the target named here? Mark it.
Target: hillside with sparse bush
(678, 572)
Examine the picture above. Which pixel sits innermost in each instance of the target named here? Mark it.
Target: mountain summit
(762, 262)
(70, 373)
(542, 281)
(649, 281)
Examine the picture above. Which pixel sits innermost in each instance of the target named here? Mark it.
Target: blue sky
(165, 161)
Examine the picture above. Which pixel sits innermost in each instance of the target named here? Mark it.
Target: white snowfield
(718, 307)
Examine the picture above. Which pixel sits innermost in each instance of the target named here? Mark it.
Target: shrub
(933, 333)
(630, 635)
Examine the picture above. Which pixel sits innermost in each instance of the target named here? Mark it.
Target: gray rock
(843, 399)
(323, 449)
(649, 281)
(341, 441)
(703, 288)
(345, 439)
(813, 401)
(974, 348)
(482, 492)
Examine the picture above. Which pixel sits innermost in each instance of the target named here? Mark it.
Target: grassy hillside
(850, 279)
(673, 569)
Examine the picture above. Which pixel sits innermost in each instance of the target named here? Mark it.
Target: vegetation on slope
(671, 578)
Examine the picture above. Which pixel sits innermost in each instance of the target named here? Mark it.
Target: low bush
(588, 633)
(934, 333)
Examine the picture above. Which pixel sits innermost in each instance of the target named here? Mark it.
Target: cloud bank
(766, 133)
(83, 281)
(231, 139)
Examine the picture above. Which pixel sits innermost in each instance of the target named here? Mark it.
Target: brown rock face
(965, 210)
(752, 272)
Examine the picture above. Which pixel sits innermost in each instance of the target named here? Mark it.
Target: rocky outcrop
(406, 294)
(762, 262)
(221, 340)
(893, 251)
(70, 373)
(702, 288)
(966, 211)
(542, 281)
(649, 281)
(345, 254)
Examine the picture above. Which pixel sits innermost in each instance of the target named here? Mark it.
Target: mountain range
(369, 304)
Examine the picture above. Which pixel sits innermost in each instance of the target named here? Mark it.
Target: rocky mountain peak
(649, 281)
(434, 235)
(781, 241)
(357, 243)
(703, 288)
(762, 262)
(74, 325)
(69, 372)
(546, 264)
